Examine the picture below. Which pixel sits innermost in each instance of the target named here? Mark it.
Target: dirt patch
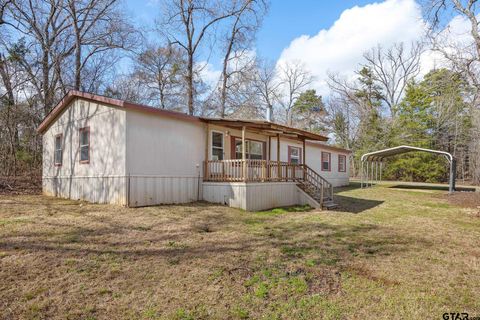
(22, 185)
(465, 199)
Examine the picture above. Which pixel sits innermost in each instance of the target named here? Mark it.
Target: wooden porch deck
(270, 171)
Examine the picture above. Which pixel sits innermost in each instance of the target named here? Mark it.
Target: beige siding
(153, 190)
(313, 160)
(103, 189)
(164, 159)
(103, 178)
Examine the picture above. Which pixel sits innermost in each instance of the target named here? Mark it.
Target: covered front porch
(255, 151)
(252, 176)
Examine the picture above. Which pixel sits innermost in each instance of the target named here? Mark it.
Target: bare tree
(44, 26)
(187, 25)
(393, 69)
(98, 26)
(238, 41)
(160, 71)
(3, 8)
(266, 84)
(294, 78)
(345, 105)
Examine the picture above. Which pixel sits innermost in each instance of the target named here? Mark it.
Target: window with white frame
(326, 157)
(253, 149)
(217, 145)
(57, 155)
(294, 155)
(342, 163)
(84, 134)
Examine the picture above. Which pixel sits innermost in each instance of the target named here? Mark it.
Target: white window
(217, 145)
(294, 155)
(58, 150)
(342, 163)
(84, 145)
(326, 157)
(253, 149)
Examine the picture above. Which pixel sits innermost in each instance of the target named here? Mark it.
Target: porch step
(329, 205)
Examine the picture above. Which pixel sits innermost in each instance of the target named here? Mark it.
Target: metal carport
(372, 163)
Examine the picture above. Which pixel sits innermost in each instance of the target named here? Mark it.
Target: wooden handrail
(256, 170)
(319, 182)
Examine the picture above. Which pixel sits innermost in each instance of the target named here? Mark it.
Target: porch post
(269, 148)
(244, 162)
(279, 170)
(269, 159)
(304, 160)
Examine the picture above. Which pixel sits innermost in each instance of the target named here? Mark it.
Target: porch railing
(252, 171)
(270, 171)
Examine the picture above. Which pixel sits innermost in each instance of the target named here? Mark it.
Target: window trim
(233, 151)
(290, 148)
(211, 143)
(344, 157)
(87, 129)
(329, 161)
(58, 164)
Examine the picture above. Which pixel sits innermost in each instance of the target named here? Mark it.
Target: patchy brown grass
(385, 253)
(465, 199)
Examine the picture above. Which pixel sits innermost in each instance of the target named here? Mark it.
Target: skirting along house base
(110, 151)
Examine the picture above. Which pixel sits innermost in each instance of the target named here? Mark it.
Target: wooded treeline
(48, 47)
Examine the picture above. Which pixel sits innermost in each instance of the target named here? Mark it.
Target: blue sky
(285, 20)
(325, 36)
(288, 20)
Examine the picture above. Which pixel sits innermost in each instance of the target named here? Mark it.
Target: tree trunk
(190, 88)
(78, 61)
(47, 103)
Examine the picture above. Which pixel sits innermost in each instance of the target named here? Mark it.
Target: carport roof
(390, 152)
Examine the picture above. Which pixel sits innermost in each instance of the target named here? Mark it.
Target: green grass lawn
(386, 253)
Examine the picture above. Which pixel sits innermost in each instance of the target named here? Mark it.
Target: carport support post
(453, 167)
(381, 169)
(361, 174)
(368, 172)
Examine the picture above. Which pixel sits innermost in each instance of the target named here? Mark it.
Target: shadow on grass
(351, 204)
(352, 186)
(297, 240)
(355, 205)
(431, 187)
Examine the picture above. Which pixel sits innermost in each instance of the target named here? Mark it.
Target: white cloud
(208, 73)
(340, 48)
